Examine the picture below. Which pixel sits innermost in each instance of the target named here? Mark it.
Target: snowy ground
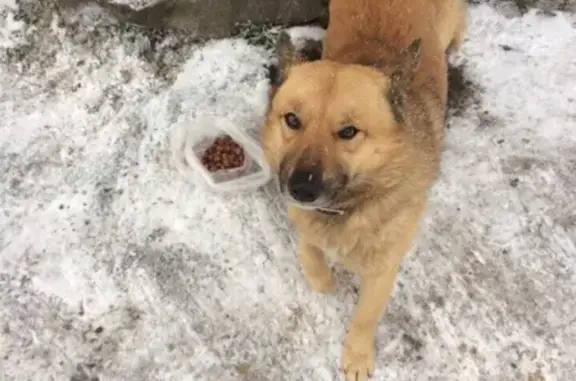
(115, 267)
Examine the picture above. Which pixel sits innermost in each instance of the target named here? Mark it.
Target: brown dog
(356, 138)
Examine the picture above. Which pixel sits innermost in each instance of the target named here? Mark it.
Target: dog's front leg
(315, 268)
(359, 349)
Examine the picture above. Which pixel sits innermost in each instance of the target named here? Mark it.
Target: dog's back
(439, 23)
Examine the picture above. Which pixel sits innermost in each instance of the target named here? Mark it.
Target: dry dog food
(224, 153)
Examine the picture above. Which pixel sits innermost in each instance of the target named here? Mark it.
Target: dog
(355, 140)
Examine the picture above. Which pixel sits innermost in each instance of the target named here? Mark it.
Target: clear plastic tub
(200, 134)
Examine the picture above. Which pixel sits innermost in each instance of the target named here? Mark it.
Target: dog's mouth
(328, 210)
(327, 203)
(310, 187)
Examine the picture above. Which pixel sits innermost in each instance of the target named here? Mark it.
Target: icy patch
(136, 4)
(10, 28)
(299, 35)
(8, 4)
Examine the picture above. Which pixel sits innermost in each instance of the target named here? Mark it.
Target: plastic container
(201, 134)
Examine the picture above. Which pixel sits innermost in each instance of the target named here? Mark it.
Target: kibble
(224, 153)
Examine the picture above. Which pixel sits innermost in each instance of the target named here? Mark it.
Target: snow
(300, 34)
(116, 266)
(136, 4)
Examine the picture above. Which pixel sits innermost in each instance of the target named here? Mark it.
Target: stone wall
(216, 18)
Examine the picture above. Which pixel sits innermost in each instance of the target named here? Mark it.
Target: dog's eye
(292, 121)
(347, 133)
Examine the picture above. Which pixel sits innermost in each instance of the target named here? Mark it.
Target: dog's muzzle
(306, 185)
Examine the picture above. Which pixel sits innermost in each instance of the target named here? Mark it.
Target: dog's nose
(306, 185)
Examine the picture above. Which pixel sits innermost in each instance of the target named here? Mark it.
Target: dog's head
(334, 132)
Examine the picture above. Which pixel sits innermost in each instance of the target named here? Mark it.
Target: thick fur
(383, 70)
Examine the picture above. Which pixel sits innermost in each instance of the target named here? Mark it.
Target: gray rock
(215, 18)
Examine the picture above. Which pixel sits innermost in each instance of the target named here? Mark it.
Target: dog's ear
(410, 56)
(401, 77)
(287, 56)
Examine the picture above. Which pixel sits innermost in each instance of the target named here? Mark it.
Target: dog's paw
(324, 283)
(358, 359)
